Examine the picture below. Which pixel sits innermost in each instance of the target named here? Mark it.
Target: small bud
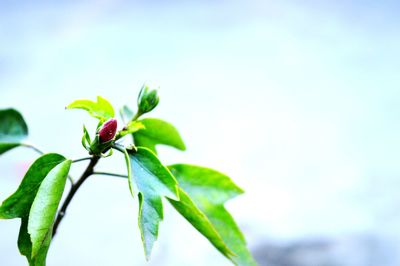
(108, 130)
(148, 99)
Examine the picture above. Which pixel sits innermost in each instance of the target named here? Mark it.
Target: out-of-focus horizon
(297, 101)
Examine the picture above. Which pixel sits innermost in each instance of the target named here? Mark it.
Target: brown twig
(88, 172)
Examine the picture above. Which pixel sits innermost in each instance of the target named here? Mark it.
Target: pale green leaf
(157, 131)
(151, 175)
(153, 181)
(44, 206)
(126, 113)
(101, 109)
(209, 190)
(13, 129)
(130, 128)
(150, 215)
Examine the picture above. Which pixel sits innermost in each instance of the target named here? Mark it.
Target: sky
(297, 101)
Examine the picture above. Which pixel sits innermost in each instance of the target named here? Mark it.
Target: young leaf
(86, 139)
(13, 129)
(101, 109)
(153, 181)
(19, 203)
(209, 190)
(44, 207)
(130, 128)
(156, 132)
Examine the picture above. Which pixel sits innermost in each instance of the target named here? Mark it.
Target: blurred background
(297, 101)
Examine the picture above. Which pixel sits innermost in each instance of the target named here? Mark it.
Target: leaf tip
(147, 255)
(176, 194)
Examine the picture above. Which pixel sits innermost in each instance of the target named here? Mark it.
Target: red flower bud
(108, 130)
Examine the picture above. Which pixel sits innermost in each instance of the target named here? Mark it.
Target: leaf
(19, 203)
(25, 245)
(13, 129)
(130, 128)
(188, 209)
(86, 139)
(151, 175)
(101, 109)
(150, 215)
(157, 132)
(24, 240)
(129, 171)
(209, 190)
(126, 113)
(153, 181)
(44, 207)
(230, 232)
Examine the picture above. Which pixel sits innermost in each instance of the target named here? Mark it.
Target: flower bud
(108, 130)
(147, 100)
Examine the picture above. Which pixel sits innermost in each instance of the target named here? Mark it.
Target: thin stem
(71, 180)
(81, 159)
(137, 115)
(119, 148)
(33, 147)
(88, 172)
(109, 174)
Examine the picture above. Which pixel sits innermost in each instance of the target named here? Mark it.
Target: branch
(81, 159)
(88, 172)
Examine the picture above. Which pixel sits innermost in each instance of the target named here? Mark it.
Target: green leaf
(150, 215)
(101, 109)
(230, 232)
(188, 209)
(19, 203)
(25, 245)
(151, 175)
(24, 240)
(157, 132)
(13, 129)
(44, 207)
(130, 128)
(86, 139)
(209, 190)
(129, 171)
(153, 181)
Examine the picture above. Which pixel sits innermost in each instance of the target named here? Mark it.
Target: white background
(297, 101)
